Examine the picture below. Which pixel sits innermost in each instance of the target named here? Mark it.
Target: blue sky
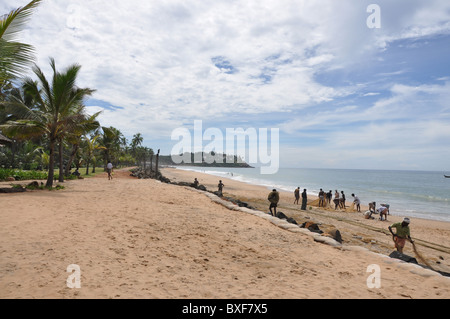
(343, 95)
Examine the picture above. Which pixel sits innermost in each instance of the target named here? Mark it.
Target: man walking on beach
(297, 195)
(274, 198)
(109, 168)
(402, 233)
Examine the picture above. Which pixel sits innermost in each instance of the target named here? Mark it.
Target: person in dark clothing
(220, 186)
(329, 196)
(274, 198)
(304, 199)
(342, 202)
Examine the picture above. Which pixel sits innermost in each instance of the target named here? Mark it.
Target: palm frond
(11, 24)
(15, 57)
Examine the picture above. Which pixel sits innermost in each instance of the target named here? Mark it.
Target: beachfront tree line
(44, 124)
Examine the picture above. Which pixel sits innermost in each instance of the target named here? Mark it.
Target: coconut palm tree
(15, 57)
(55, 109)
(90, 146)
(74, 138)
(136, 141)
(112, 140)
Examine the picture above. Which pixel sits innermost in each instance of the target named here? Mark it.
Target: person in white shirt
(382, 211)
(357, 202)
(109, 169)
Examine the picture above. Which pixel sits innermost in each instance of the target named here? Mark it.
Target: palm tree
(55, 110)
(15, 57)
(90, 146)
(75, 137)
(136, 141)
(112, 140)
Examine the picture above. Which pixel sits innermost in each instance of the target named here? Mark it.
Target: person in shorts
(402, 233)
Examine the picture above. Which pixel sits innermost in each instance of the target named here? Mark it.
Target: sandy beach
(136, 238)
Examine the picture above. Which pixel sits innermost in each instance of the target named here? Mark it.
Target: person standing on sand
(297, 195)
(357, 202)
(342, 202)
(304, 199)
(274, 198)
(329, 196)
(220, 186)
(196, 183)
(336, 200)
(109, 169)
(402, 233)
(321, 198)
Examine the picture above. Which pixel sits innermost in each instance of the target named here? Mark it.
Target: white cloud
(156, 59)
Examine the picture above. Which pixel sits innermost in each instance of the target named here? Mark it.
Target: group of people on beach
(383, 210)
(325, 199)
(399, 237)
(340, 202)
(297, 197)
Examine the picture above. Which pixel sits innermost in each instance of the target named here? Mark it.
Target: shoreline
(314, 195)
(137, 238)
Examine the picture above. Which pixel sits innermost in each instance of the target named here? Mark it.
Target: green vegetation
(45, 130)
(20, 175)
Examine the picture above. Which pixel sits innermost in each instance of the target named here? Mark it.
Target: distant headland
(203, 160)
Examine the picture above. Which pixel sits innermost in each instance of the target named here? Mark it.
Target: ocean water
(409, 193)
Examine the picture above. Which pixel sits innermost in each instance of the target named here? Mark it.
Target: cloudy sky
(343, 95)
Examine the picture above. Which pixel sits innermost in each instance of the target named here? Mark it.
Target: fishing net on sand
(420, 257)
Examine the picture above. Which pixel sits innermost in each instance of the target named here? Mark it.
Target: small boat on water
(446, 176)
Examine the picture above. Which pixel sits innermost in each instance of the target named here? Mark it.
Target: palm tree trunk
(75, 148)
(61, 162)
(51, 164)
(87, 167)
